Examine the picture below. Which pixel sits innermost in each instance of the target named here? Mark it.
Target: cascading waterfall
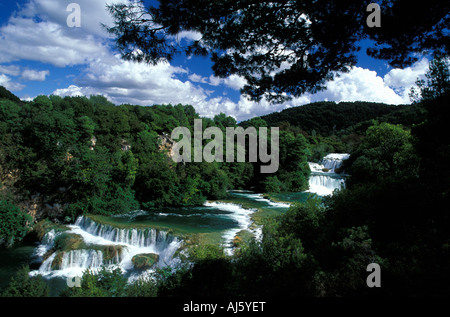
(104, 246)
(324, 185)
(324, 178)
(143, 238)
(334, 161)
(82, 259)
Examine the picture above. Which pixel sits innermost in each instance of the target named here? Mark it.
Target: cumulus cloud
(6, 82)
(233, 81)
(72, 91)
(198, 79)
(30, 74)
(39, 32)
(359, 84)
(130, 82)
(401, 80)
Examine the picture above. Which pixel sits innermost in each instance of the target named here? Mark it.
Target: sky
(41, 55)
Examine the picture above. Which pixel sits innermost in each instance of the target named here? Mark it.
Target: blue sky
(40, 54)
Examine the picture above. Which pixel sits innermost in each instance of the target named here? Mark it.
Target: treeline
(61, 157)
(74, 155)
(339, 127)
(330, 118)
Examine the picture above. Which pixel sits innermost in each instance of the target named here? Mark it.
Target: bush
(14, 223)
(22, 285)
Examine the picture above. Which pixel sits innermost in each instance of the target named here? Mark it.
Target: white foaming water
(334, 161)
(324, 180)
(260, 197)
(241, 215)
(324, 185)
(126, 243)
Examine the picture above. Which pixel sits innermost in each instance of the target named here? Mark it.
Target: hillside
(328, 118)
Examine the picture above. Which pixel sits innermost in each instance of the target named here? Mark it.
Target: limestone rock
(145, 260)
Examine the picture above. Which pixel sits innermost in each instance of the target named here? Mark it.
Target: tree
(6, 94)
(14, 223)
(106, 283)
(410, 30)
(437, 81)
(387, 152)
(283, 49)
(22, 285)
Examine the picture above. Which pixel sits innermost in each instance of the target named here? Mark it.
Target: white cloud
(401, 80)
(71, 91)
(29, 74)
(235, 82)
(12, 70)
(130, 82)
(189, 35)
(5, 81)
(198, 79)
(356, 85)
(39, 32)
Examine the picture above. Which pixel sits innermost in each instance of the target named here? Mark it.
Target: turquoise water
(217, 216)
(216, 220)
(185, 220)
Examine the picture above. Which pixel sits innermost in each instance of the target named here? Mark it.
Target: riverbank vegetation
(61, 157)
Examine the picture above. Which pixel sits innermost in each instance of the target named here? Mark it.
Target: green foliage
(297, 50)
(201, 252)
(387, 151)
(94, 157)
(272, 185)
(329, 118)
(437, 80)
(6, 94)
(22, 285)
(298, 255)
(107, 283)
(14, 223)
(142, 288)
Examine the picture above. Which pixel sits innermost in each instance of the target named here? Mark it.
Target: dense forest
(62, 157)
(390, 213)
(78, 155)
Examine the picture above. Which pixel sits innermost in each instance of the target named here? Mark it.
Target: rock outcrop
(145, 260)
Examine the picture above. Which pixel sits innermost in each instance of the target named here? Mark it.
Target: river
(114, 240)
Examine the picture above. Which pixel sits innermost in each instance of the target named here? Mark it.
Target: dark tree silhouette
(282, 48)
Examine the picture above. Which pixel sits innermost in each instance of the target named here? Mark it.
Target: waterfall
(334, 161)
(324, 185)
(103, 245)
(324, 178)
(140, 238)
(82, 259)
